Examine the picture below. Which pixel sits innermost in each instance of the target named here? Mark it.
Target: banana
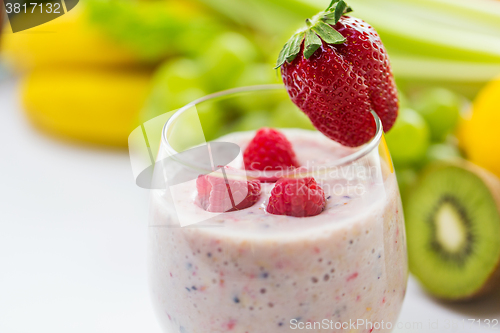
(68, 40)
(94, 105)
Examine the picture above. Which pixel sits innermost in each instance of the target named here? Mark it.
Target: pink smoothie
(253, 272)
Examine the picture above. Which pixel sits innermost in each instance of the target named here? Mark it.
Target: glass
(250, 271)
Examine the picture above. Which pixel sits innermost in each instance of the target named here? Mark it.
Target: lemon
(92, 105)
(480, 136)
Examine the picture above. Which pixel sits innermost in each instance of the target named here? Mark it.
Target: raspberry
(299, 197)
(269, 150)
(217, 195)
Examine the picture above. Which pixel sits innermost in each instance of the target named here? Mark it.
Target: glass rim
(363, 151)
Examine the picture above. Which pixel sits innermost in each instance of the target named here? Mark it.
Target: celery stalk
(455, 42)
(416, 28)
(449, 42)
(436, 69)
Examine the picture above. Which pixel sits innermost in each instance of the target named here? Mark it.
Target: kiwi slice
(453, 230)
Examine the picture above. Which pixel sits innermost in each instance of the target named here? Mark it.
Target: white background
(73, 240)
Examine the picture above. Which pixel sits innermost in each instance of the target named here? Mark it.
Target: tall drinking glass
(249, 271)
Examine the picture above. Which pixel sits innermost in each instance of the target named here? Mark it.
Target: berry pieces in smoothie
(269, 150)
(225, 194)
(336, 70)
(299, 197)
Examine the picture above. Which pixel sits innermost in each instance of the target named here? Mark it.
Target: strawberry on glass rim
(336, 70)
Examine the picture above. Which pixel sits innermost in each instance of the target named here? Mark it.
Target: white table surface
(73, 237)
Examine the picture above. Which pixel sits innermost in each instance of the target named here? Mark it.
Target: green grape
(179, 75)
(441, 109)
(178, 83)
(212, 119)
(252, 121)
(258, 73)
(175, 84)
(288, 115)
(226, 59)
(409, 139)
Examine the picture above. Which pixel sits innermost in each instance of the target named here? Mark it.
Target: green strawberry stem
(318, 29)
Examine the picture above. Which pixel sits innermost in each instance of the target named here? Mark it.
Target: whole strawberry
(337, 71)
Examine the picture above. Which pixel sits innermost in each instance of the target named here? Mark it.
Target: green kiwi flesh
(453, 230)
